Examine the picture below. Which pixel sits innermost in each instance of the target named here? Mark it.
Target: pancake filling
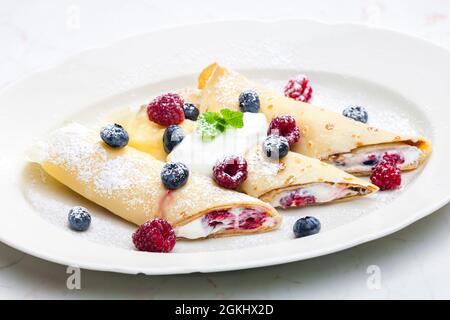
(364, 159)
(235, 219)
(315, 193)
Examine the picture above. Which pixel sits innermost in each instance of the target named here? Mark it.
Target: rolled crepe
(350, 145)
(147, 135)
(297, 180)
(297, 177)
(127, 182)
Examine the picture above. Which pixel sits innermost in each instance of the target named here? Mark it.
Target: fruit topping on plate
(285, 126)
(356, 113)
(249, 101)
(306, 226)
(191, 112)
(172, 136)
(156, 235)
(230, 172)
(79, 218)
(174, 175)
(299, 89)
(275, 147)
(166, 109)
(386, 175)
(114, 135)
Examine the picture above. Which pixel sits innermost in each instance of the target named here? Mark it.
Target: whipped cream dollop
(200, 156)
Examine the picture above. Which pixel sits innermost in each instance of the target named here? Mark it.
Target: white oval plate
(401, 80)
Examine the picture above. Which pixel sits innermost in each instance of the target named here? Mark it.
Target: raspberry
(394, 158)
(285, 126)
(300, 201)
(386, 175)
(299, 89)
(156, 235)
(230, 172)
(218, 217)
(166, 109)
(251, 219)
(297, 200)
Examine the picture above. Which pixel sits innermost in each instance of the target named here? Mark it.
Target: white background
(413, 263)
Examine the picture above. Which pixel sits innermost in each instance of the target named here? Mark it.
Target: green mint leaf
(211, 124)
(208, 131)
(222, 122)
(221, 127)
(210, 117)
(227, 113)
(233, 118)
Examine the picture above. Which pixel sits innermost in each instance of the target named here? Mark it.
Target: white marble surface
(413, 263)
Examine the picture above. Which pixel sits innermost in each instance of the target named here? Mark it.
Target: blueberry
(79, 219)
(172, 136)
(249, 101)
(190, 111)
(370, 162)
(306, 226)
(276, 147)
(114, 135)
(356, 113)
(174, 175)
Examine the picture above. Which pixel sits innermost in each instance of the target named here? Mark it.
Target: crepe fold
(294, 175)
(268, 179)
(326, 135)
(147, 135)
(127, 182)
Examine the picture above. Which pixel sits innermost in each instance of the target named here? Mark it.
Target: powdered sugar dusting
(67, 149)
(110, 178)
(229, 90)
(72, 147)
(385, 111)
(52, 201)
(263, 164)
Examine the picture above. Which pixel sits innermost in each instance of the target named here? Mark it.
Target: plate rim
(237, 265)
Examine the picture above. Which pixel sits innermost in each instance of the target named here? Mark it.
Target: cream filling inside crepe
(312, 193)
(232, 219)
(363, 159)
(201, 156)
